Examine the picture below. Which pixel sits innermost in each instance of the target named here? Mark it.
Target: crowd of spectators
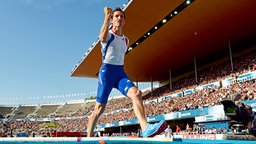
(121, 109)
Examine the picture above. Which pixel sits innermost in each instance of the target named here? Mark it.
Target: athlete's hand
(107, 11)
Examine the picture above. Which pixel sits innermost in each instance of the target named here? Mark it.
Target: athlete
(112, 75)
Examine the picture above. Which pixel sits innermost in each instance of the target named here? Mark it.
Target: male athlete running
(112, 75)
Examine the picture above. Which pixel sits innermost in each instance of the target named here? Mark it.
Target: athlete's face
(118, 19)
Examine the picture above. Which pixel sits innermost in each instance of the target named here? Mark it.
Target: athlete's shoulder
(126, 40)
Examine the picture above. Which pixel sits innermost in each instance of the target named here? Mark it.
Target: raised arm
(105, 26)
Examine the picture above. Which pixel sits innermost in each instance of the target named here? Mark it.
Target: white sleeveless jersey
(114, 49)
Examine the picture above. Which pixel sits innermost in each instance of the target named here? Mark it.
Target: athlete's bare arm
(105, 26)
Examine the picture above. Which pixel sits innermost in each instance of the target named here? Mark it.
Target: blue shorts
(112, 76)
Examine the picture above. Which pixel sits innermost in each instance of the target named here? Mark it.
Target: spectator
(225, 131)
(188, 128)
(177, 129)
(168, 132)
(252, 117)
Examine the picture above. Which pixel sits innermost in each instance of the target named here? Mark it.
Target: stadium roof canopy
(202, 30)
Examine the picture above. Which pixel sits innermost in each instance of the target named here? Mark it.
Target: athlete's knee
(135, 93)
(138, 93)
(98, 110)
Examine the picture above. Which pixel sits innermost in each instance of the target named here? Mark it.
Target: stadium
(200, 53)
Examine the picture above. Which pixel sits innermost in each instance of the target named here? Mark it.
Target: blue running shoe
(154, 129)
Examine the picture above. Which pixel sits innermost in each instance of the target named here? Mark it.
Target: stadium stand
(46, 109)
(68, 109)
(4, 110)
(23, 111)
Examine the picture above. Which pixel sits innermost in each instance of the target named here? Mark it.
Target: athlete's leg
(98, 110)
(148, 130)
(136, 97)
(126, 87)
(105, 85)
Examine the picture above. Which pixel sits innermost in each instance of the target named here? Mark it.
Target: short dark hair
(118, 9)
